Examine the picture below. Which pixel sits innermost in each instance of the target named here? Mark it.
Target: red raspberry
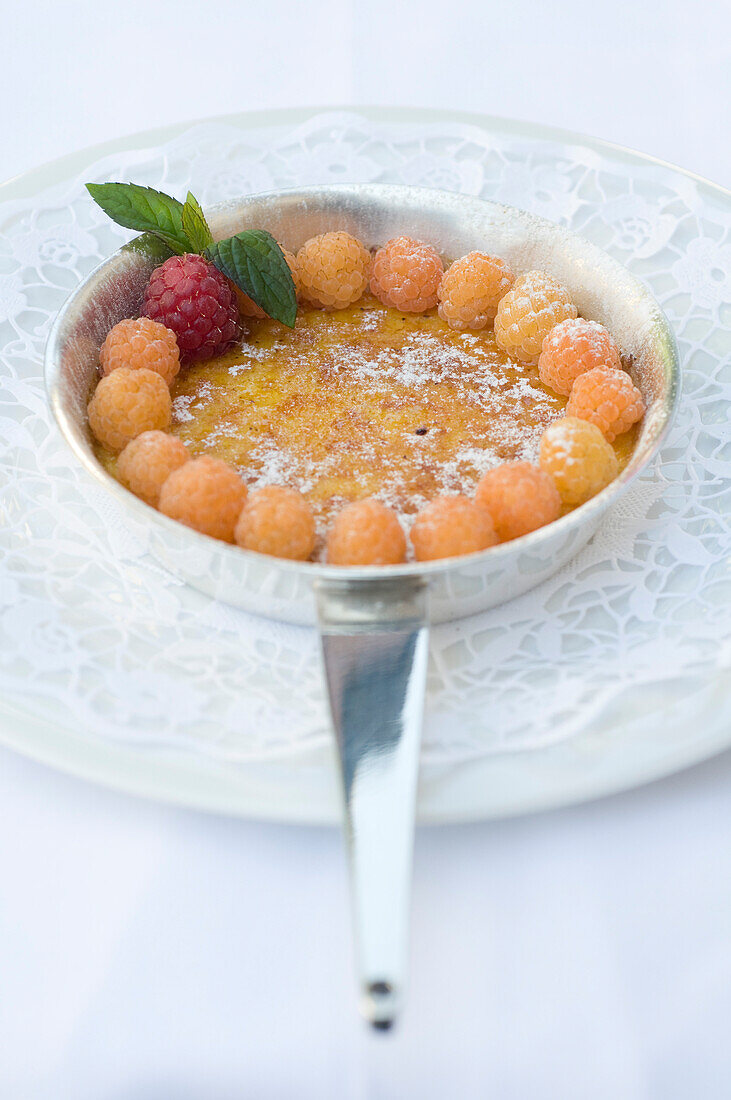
(190, 296)
(366, 533)
(572, 347)
(451, 526)
(520, 497)
(127, 403)
(406, 275)
(607, 398)
(471, 289)
(205, 494)
(277, 521)
(141, 343)
(147, 462)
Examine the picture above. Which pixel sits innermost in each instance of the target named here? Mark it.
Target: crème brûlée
(364, 401)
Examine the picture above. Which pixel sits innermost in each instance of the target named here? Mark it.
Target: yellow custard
(364, 401)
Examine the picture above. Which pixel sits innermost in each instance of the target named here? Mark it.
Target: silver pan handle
(374, 645)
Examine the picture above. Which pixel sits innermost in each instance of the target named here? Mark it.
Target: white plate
(613, 674)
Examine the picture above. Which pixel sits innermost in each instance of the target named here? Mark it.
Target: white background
(653, 75)
(149, 953)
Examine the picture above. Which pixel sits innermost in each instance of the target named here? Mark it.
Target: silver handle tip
(379, 1005)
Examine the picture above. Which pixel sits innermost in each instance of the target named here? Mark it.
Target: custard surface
(364, 401)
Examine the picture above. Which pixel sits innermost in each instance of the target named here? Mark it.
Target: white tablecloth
(148, 953)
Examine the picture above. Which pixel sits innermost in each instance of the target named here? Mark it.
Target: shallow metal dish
(374, 621)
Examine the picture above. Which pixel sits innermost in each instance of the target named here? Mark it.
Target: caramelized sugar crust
(364, 401)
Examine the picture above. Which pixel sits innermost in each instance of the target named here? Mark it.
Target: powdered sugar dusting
(273, 466)
(185, 404)
(181, 408)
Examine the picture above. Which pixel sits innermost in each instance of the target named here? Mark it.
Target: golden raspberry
(249, 308)
(333, 270)
(451, 526)
(520, 497)
(578, 458)
(572, 347)
(366, 533)
(277, 521)
(406, 275)
(205, 494)
(148, 461)
(141, 343)
(471, 289)
(528, 312)
(608, 398)
(126, 403)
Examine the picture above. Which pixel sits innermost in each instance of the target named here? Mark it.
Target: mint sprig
(255, 262)
(195, 225)
(143, 209)
(252, 259)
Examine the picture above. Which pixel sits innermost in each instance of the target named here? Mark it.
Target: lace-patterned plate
(111, 668)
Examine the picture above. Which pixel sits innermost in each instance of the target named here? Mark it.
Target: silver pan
(374, 621)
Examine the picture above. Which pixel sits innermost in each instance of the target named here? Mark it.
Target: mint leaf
(195, 225)
(254, 261)
(143, 209)
(149, 246)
